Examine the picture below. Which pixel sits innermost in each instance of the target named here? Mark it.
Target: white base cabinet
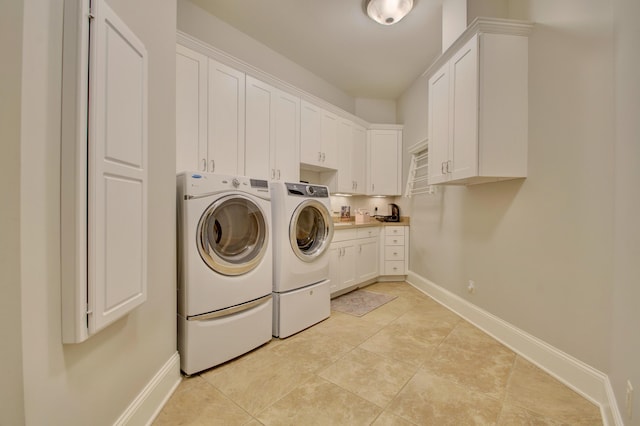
(353, 257)
(394, 250)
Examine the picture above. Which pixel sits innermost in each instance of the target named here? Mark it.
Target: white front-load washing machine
(225, 268)
(302, 233)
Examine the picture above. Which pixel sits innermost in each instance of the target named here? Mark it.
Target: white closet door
(118, 170)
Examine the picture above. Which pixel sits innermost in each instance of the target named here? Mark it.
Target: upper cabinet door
(226, 119)
(191, 110)
(345, 157)
(318, 138)
(118, 170)
(329, 143)
(463, 148)
(272, 132)
(259, 130)
(310, 139)
(385, 162)
(359, 159)
(285, 158)
(439, 125)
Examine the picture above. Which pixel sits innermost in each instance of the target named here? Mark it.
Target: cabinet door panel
(367, 264)
(348, 266)
(384, 158)
(286, 155)
(310, 139)
(259, 130)
(345, 149)
(334, 268)
(226, 119)
(191, 110)
(359, 158)
(118, 172)
(464, 94)
(438, 125)
(329, 142)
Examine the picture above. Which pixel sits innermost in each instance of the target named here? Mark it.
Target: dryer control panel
(307, 190)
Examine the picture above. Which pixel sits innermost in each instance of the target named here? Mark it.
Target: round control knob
(235, 182)
(311, 190)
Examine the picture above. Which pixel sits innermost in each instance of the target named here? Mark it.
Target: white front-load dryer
(303, 230)
(225, 268)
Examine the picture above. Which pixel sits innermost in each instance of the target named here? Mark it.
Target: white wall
(95, 381)
(539, 249)
(205, 27)
(413, 114)
(625, 343)
(378, 111)
(11, 385)
(454, 21)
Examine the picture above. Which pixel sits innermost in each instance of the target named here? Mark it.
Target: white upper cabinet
(272, 132)
(350, 177)
(384, 162)
(210, 110)
(225, 141)
(478, 106)
(318, 138)
(191, 109)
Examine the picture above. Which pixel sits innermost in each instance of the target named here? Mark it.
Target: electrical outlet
(629, 400)
(471, 288)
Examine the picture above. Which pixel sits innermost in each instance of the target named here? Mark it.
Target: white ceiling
(337, 41)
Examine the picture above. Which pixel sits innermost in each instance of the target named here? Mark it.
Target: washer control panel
(307, 190)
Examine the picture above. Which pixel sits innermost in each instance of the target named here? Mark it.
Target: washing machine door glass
(311, 230)
(232, 235)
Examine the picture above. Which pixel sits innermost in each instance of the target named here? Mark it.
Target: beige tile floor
(409, 362)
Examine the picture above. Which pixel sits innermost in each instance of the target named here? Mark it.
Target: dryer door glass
(311, 230)
(232, 235)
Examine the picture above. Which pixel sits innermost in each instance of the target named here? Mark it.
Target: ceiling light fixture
(388, 12)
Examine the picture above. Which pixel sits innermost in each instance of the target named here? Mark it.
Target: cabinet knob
(319, 156)
(204, 164)
(213, 166)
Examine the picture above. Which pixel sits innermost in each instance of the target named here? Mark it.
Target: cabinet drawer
(344, 234)
(394, 267)
(391, 240)
(394, 253)
(394, 230)
(370, 231)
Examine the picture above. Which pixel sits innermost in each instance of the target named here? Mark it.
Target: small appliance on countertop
(394, 215)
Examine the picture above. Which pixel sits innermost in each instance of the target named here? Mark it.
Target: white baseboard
(147, 405)
(582, 378)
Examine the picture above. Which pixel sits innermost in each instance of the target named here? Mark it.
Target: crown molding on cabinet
(482, 26)
(212, 52)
